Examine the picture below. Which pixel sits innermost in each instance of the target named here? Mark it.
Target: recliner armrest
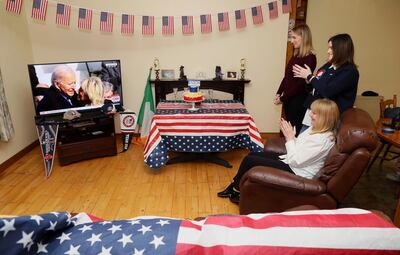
(275, 145)
(278, 179)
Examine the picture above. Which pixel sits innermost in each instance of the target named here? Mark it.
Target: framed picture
(167, 74)
(231, 75)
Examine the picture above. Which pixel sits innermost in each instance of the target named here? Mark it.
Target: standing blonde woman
(91, 91)
(305, 155)
(292, 92)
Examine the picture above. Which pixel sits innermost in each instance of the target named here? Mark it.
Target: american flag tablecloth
(218, 126)
(330, 232)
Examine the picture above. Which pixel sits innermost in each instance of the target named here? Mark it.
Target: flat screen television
(81, 86)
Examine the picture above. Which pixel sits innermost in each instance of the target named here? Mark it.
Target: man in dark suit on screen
(61, 93)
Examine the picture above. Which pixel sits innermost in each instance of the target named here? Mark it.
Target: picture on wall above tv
(84, 85)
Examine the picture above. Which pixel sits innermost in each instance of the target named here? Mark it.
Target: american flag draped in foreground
(217, 126)
(343, 231)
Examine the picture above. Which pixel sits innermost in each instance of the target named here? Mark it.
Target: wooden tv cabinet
(91, 136)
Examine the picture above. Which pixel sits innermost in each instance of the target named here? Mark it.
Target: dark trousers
(294, 110)
(259, 159)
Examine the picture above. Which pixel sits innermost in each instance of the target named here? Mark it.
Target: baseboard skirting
(16, 157)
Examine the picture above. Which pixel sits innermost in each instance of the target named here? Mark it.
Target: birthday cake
(193, 95)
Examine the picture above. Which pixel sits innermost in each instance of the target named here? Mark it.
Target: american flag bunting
(256, 13)
(85, 19)
(14, 6)
(168, 25)
(240, 17)
(127, 24)
(273, 9)
(39, 9)
(63, 14)
(205, 23)
(286, 6)
(328, 232)
(148, 25)
(223, 21)
(187, 25)
(106, 22)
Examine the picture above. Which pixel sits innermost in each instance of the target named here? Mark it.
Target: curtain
(6, 126)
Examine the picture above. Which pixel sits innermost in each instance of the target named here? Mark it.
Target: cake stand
(193, 108)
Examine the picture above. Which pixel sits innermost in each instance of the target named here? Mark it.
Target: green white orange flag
(146, 109)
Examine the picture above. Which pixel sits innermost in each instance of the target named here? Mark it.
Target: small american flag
(106, 22)
(148, 25)
(187, 25)
(63, 14)
(205, 23)
(286, 6)
(223, 21)
(168, 25)
(39, 9)
(85, 19)
(240, 17)
(256, 13)
(127, 24)
(14, 6)
(273, 10)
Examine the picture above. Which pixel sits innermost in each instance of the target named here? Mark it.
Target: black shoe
(235, 197)
(226, 192)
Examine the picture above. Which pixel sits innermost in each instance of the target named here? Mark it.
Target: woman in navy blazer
(336, 80)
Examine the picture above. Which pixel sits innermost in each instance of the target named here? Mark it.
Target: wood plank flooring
(118, 187)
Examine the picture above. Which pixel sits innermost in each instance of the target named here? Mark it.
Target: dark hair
(343, 50)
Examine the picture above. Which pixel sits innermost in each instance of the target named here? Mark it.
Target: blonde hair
(328, 116)
(306, 46)
(94, 89)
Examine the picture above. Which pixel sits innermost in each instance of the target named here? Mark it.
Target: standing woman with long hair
(292, 93)
(336, 80)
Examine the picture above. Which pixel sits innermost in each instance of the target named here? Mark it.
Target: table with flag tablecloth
(217, 126)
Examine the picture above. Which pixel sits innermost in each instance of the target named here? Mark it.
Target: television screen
(86, 85)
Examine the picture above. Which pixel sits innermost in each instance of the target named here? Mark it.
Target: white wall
(15, 53)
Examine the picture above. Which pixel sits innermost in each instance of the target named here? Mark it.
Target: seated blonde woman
(91, 91)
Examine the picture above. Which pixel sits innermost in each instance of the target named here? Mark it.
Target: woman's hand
(301, 72)
(288, 131)
(277, 99)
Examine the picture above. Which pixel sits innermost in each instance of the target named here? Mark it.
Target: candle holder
(242, 68)
(156, 64)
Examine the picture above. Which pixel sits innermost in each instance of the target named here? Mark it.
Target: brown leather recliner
(266, 189)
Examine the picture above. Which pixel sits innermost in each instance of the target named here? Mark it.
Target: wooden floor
(118, 187)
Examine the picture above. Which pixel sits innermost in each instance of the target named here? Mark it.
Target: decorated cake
(193, 95)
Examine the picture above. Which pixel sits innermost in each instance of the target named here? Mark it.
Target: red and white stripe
(64, 18)
(343, 231)
(258, 19)
(206, 27)
(127, 28)
(273, 10)
(188, 28)
(224, 24)
(40, 13)
(107, 25)
(149, 28)
(241, 22)
(169, 28)
(86, 23)
(14, 6)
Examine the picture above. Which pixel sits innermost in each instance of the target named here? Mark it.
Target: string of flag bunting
(85, 17)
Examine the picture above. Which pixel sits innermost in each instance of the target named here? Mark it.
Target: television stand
(90, 136)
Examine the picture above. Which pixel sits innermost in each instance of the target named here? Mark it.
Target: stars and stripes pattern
(14, 6)
(148, 25)
(168, 25)
(187, 25)
(63, 14)
(39, 9)
(219, 125)
(257, 15)
(106, 22)
(286, 6)
(273, 10)
(223, 21)
(240, 17)
(205, 23)
(127, 24)
(330, 232)
(85, 19)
